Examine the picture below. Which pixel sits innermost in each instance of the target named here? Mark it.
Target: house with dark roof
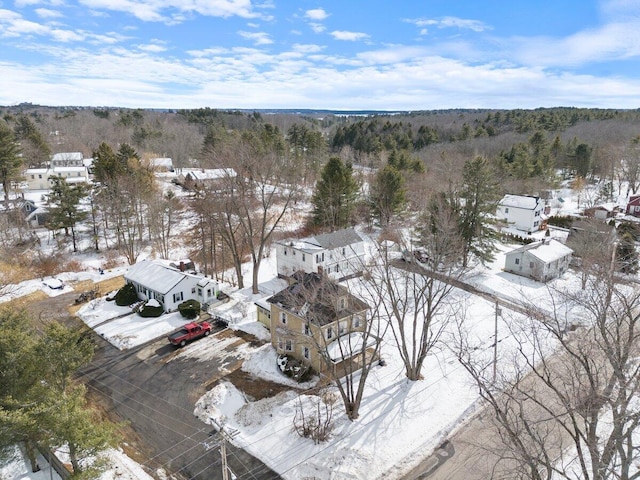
(541, 261)
(522, 212)
(321, 324)
(338, 255)
(170, 286)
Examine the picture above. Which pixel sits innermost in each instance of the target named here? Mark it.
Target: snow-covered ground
(400, 421)
(117, 466)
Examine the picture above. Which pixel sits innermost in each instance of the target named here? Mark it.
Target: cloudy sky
(332, 54)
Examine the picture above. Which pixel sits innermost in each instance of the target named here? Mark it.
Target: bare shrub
(315, 419)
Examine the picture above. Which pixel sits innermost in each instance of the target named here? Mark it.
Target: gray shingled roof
(340, 238)
(315, 299)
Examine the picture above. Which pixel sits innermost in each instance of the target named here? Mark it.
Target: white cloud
(451, 22)
(401, 77)
(307, 48)
(316, 14)
(348, 36)
(48, 13)
(615, 41)
(152, 48)
(155, 11)
(258, 38)
(317, 27)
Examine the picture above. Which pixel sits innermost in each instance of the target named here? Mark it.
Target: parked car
(189, 332)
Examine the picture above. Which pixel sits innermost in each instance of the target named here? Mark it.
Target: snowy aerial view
(256, 240)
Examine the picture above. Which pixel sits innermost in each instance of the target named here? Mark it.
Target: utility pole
(495, 342)
(227, 473)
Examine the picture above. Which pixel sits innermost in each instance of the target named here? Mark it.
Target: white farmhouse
(542, 261)
(169, 285)
(338, 255)
(40, 178)
(523, 212)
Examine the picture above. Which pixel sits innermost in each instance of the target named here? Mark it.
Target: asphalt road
(157, 400)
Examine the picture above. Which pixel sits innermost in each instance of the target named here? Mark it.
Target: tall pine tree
(335, 196)
(477, 204)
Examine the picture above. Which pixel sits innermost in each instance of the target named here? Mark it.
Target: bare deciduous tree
(416, 290)
(568, 406)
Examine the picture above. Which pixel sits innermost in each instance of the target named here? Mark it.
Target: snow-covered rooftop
(545, 250)
(154, 276)
(528, 202)
(67, 156)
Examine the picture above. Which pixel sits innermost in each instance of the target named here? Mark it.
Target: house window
(535, 224)
(177, 297)
(517, 261)
(356, 321)
(344, 251)
(343, 328)
(193, 290)
(285, 251)
(329, 333)
(337, 267)
(306, 352)
(506, 209)
(33, 177)
(208, 292)
(343, 303)
(307, 329)
(304, 257)
(283, 318)
(323, 254)
(40, 175)
(199, 292)
(317, 258)
(530, 264)
(288, 345)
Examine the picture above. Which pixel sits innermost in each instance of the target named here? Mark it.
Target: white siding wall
(520, 218)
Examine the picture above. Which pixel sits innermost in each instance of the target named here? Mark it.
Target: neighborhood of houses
(312, 315)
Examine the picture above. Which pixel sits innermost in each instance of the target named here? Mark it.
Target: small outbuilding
(541, 261)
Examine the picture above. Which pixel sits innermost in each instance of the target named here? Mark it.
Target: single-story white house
(522, 212)
(339, 255)
(542, 261)
(169, 285)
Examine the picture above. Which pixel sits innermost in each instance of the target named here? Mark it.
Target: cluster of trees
(40, 403)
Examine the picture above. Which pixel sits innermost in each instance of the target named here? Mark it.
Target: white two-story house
(40, 178)
(338, 255)
(522, 212)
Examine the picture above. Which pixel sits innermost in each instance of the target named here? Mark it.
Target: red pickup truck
(189, 332)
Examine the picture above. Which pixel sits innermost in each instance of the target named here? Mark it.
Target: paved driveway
(156, 397)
